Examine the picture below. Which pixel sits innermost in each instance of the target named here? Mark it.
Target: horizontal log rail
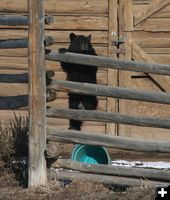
(20, 20)
(22, 43)
(106, 62)
(97, 178)
(108, 117)
(124, 143)
(107, 91)
(14, 43)
(155, 174)
(14, 78)
(21, 78)
(13, 20)
(15, 102)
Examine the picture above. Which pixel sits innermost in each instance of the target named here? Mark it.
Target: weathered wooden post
(37, 95)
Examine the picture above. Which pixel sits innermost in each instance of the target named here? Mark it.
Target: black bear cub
(80, 73)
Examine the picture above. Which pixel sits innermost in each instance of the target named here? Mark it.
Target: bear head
(81, 44)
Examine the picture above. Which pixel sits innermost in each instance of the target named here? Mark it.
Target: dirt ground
(14, 144)
(77, 190)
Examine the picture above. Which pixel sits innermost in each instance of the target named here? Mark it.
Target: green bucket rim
(78, 147)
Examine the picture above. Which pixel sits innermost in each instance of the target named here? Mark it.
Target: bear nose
(84, 47)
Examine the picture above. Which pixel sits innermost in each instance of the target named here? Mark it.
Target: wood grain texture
(97, 116)
(163, 13)
(13, 20)
(155, 174)
(139, 54)
(21, 76)
(98, 37)
(105, 62)
(141, 2)
(154, 25)
(73, 22)
(54, 134)
(157, 43)
(112, 74)
(15, 80)
(37, 174)
(21, 43)
(125, 31)
(153, 42)
(70, 18)
(107, 91)
(23, 52)
(13, 102)
(58, 6)
(152, 8)
(20, 101)
(124, 181)
(157, 50)
(152, 38)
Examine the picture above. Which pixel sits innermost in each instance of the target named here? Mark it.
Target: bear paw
(62, 50)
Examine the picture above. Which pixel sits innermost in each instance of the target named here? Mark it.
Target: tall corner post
(37, 173)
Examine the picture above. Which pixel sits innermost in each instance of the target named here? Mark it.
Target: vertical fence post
(37, 95)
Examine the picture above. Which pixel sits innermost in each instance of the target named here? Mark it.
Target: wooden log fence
(37, 169)
(106, 179)
(151, 174)
(106, 62)
(108, 117)
(37, 108)
(21, 78)
(13, 20)
(107, 91)
(20, 101)
(14, 78)
(20, 20)
(14, 43)
(22, 43)
(13, 102)
(125, 143)
(37, 84)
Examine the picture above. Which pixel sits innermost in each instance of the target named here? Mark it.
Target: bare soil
(77, 190)
(10, 189)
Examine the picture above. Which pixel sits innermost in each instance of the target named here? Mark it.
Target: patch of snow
(139, 164)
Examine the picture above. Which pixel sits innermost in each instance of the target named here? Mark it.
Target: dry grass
(77, 190)
(14, 139)
(6, 144)
(14, 145)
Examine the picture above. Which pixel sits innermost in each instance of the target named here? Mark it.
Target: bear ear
(89, 37)
(72, 36)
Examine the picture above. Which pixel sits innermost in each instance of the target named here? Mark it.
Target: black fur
(80, 73)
